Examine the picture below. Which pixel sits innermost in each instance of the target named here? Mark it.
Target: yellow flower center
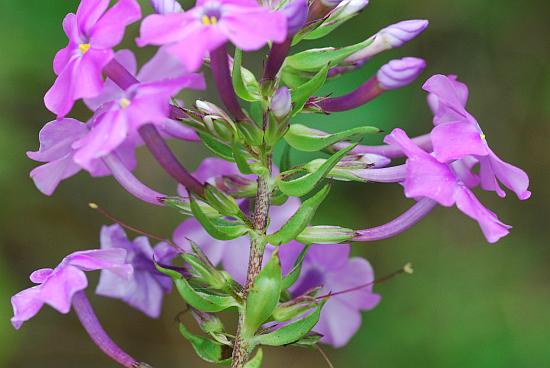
(84, 47)
(209, 20)
(124, 102)
(482, 136)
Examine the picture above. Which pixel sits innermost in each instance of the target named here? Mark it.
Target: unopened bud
(166, 6)
(391, 37)
(207, 322)
(281, 103)
(294, 308)
(325, 235)
(400, 72)
(331, 3)
(349, 7)
(237, 185)
(296, 15)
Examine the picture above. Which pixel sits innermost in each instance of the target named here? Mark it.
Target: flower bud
(349, 7)
(281, 103)
(400, 72)
(166, 6)
(296, 15)
(207, 322)
(391, 37)
(331, 3)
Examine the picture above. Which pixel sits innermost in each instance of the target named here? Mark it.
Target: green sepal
(311, 339)
(208, 323)
(206, 349)
(291, 278)
(307, 139)
(184, 206)
(202, 301)
(275, 130)
(255, 362)
(292, 332)
(290, 310)
(314, 60)
(264, 295)
(245, 84)
(325, 235)
(218, 148)
(218, 228)
(299, 221)
(251, 133)
(240, 159)
(293, 78)
(305, 184)
(301, 94)
(223, 202)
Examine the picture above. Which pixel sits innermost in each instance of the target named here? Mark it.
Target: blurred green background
(469, 304)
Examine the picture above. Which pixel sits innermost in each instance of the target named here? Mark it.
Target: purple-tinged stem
(411, 217)
(393, 174)
(360, 96)
(275, 59)
(167, 160)
(388, 150)
(129, 182)
(150, 135)
(93, 327)
(219, 62)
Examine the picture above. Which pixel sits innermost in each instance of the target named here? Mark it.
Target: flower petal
(513, 178)
(453, 141)
(26, 304)
(109, 30)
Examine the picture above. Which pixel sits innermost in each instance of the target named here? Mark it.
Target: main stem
(257, 247)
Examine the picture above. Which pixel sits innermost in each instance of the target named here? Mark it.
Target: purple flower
(428, 177)
(166, 6)
(330, 267)
(56, 140)
(93, 32)
(232, 254)
(296, 12)
(115, 122)
(191, 35)
(457, 134)
(56, 287)
(144, 289)
(161, 67)
(281, 103)
(400, 72)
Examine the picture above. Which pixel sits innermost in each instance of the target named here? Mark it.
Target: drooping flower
(93, 32)
(232, 254)
(429, 178)
(191, 35)
(115, 122)
(457, 134)
(56, 287)
(331, 268)
(161, 67)
(56, 140)
(145, 288)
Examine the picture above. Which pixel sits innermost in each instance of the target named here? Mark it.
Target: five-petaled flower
(191, 35)
(93, 32)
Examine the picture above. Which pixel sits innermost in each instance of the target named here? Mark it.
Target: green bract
(307, 139)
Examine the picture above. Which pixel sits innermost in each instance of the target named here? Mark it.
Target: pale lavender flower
(428, 177)
(281, 103)
(391, 37)
(115, 122)
(331, 268)
(191, 35)
(57, 154)
(56, 287)
(166, 6)
(400, 72)
(457, 134)
(93, 32)
(145, 288)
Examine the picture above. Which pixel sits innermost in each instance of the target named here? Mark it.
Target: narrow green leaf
(264, 295)
(183, 206)
(327, 27)
(285, 162)
(307, 139)
(301, 94)
(299, 221)
(255, 362)
(238, 83)
(292, 332)
(206, 349)
(305, 184)
(218, 228)
(294, 78)
(218, 148)
(314, 59)
(291, 278)
(240, 159)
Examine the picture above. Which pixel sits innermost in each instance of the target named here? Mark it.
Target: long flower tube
(222, 76)
(152, 138)
(93, 327)
(402, 223)
(129, 182)
(389, 150)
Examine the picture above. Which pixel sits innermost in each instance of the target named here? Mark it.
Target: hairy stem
(257, 247)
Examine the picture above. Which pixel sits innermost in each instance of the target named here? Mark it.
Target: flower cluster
(247, 243)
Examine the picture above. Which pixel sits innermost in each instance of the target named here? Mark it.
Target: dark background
(469, 304)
